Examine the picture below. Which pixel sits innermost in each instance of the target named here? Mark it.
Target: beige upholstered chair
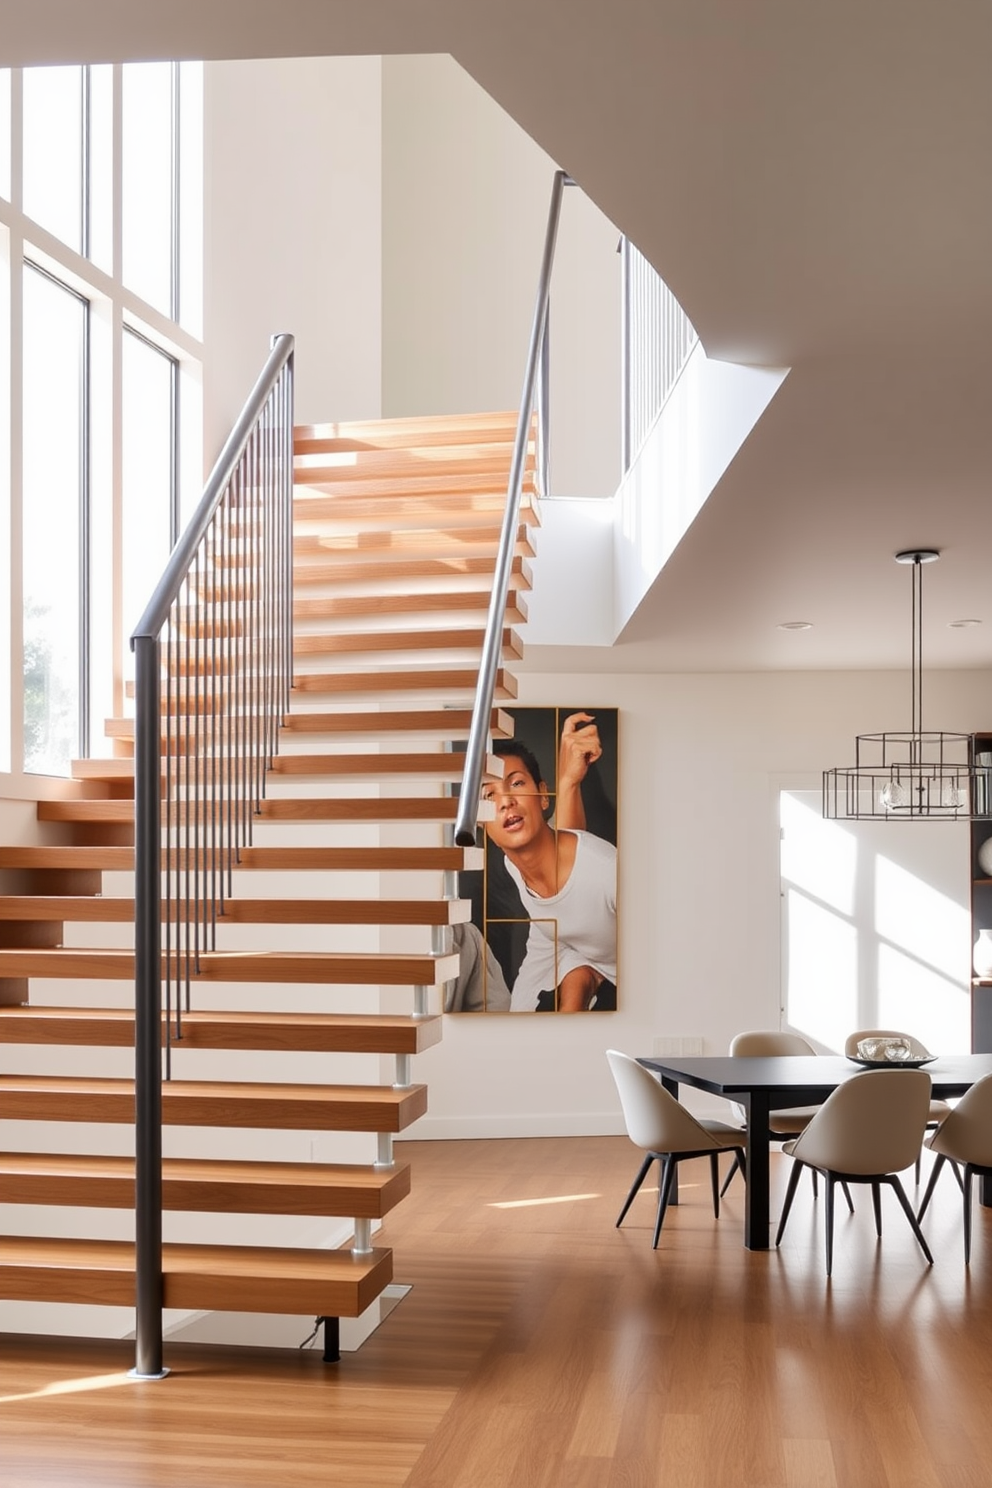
(667, 1132)
(964, 1136)
(938, 1108)
(781, 1124)
(867, 1131)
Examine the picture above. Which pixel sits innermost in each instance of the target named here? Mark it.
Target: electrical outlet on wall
(667, 1046)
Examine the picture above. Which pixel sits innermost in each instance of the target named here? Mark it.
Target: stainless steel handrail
(216, 763)
(467, 819)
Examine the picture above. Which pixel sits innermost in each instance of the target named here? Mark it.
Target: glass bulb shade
(893, 796)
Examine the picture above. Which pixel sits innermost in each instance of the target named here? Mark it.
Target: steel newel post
(147, 1010)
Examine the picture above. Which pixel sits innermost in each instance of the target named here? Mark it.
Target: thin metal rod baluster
(148, 1008)
(232, 542)
(190, 611)
(238, 599)
(165, 848)
(288, 456)
(218, 575)
(211, 679)
(255, 627)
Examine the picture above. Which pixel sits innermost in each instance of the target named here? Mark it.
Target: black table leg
(757, 1198)
(672, 1086)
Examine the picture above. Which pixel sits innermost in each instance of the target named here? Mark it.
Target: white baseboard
(558, 1124)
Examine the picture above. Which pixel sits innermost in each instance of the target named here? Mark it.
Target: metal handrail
(467, 819)
(214, 762)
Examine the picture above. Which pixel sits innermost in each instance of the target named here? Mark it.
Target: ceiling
(813, 182)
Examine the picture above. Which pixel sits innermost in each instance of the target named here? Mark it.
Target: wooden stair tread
(433, 540)
(206, 1185)
(120, 911)
(329, 808)
(349, 1033)
(344, 607)
(481, 457)
(462, 638)
(326, 1283)
(368, 968)
(446, 723)
(419, 432)
(343, 571)
(442, 765)
(394, 512)
(372, 859)
(219, 1103)
(410, 679)
(430, 488)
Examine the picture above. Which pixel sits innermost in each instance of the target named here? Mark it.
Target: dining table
(772, 1082)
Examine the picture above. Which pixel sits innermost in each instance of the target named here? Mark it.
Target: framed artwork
(543, 933)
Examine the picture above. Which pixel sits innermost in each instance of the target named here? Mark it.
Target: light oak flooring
(542, 1348)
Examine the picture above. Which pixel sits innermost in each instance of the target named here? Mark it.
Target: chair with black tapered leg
(667, 1133)
(782, 1124)
(964, 1137)
(867, 1131)
(938, 1108)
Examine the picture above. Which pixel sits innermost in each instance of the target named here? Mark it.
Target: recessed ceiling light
(962, 624)
(794, 625)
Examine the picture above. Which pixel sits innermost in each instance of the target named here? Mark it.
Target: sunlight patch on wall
(822, 973)
(919, 918)
(915, 999)
(818, 856)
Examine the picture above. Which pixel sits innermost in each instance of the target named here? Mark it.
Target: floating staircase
(340, 907)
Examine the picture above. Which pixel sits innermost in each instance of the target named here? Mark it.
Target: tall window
(149, 470)
(55, 508)
(103, 325)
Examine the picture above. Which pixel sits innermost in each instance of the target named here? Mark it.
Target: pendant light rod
(917, 557)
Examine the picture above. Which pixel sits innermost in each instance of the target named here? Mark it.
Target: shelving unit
(981, 907)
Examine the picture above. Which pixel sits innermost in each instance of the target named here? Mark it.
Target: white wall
(465, 206)
(702, 762)
(292, 226)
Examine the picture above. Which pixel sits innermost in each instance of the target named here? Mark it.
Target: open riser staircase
(327, 968)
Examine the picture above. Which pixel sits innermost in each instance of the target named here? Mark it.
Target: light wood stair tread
(481, 457)
(461, 638)
(343, 571)
(354, 859)
(206, 1185)
(413, 512)
(424, 431)
(332, 967)
(220, 1103)
(328, 607)
(411, 679)
(349, 1033)
(327, 808)
(326, 1283)
(445, 723)
(433, 540)
(236, 911)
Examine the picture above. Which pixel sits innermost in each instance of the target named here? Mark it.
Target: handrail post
(468, 802)
(147, 1010)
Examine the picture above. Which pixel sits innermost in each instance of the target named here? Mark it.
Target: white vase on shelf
(985, 857)
(982, 958)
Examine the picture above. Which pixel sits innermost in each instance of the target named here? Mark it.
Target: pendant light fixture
(914, 776)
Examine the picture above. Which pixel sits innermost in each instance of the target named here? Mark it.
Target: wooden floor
(542, 1348)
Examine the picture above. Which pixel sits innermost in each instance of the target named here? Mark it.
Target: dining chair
(866, 1131)
(667, 1133)
(787, 1123)
(965, 1137)
(938, 1108)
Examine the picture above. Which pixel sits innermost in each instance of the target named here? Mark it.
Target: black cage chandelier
(914, 776)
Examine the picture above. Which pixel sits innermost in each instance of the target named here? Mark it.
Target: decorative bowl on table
(888, 1052)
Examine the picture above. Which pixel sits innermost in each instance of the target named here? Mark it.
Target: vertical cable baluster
(165, 848)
